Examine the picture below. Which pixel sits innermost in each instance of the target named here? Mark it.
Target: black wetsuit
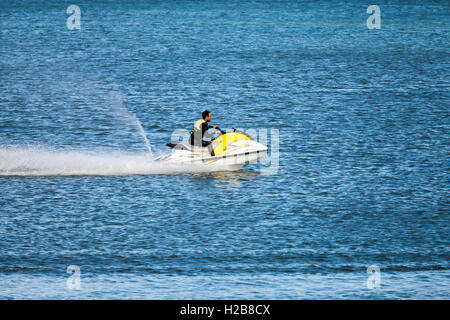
(196, 138)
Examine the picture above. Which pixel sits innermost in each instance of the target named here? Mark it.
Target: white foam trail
(34, 161)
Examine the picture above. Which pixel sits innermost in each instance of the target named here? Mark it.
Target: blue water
(363, 171)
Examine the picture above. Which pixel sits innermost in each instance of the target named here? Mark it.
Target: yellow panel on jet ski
(226, 139)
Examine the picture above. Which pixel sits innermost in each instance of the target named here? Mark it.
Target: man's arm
(206, 127)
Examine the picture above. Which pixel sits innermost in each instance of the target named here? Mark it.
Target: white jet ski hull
(239, 154)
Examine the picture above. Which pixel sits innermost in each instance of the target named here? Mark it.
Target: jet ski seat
(188, 147)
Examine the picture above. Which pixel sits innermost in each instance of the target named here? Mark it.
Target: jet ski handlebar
(221, 131)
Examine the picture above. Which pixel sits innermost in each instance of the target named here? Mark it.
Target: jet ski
(228, 151)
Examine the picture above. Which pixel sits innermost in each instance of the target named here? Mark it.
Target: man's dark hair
(205, 114)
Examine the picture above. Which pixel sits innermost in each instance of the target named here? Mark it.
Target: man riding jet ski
(200, 128)
(228, 151)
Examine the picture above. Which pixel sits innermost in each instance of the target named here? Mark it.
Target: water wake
(41, 161)
(34, 161)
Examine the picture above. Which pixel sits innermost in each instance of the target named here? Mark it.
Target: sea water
(356, 207)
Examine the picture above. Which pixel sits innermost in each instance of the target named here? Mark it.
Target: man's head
(206, 115)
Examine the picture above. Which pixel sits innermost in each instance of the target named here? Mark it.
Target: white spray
(120, 109)
(44, 161)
